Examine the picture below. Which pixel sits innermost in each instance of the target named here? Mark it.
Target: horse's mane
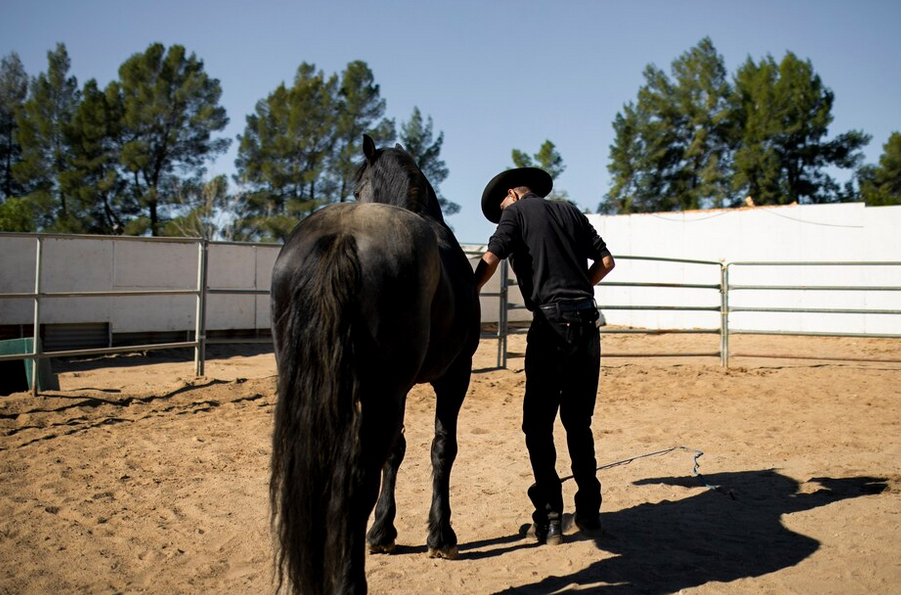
(398, 181)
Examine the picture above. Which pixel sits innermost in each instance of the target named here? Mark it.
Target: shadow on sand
(724, 535)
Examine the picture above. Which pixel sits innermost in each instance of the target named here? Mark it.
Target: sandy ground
(138, 478)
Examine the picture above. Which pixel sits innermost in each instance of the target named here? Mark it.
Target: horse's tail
(316, 442)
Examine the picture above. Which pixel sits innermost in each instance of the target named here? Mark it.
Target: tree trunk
(154, 219)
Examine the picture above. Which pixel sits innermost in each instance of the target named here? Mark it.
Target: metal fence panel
(818, 279)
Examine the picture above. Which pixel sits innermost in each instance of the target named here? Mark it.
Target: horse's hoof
(381, 548)
(446, 553)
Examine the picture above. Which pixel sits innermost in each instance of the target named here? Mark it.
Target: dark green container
(15, 376)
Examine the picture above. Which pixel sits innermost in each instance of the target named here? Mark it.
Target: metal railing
(502, 360)
(725, 289)
(731, 287)
(201, 291)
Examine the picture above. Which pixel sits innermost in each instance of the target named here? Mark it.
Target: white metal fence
(200, 292)
(716, 297)
(713, 297)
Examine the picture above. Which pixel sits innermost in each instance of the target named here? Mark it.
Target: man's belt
(556, 310)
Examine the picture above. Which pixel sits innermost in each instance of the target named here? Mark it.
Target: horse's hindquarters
(351, 294)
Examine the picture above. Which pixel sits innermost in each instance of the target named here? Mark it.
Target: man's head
(509, 186)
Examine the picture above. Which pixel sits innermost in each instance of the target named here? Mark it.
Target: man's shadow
(717, 535)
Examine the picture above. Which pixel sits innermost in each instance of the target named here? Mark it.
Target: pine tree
(781, 115)
(547, 158)
(170, 112)
(43, 134)
(93, 177)
(701, 95)
(301, 146)
(880, 185)
(13, 93)
(417, 138)
(628, 167)
(697, 141)
(284, 154)
(671, 148)
(757, 162)
(360, 110)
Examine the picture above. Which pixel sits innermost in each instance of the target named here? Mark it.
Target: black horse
(368, 299)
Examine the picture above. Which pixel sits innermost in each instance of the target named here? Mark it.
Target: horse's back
(400, 266)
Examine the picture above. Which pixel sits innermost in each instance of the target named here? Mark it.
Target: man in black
(549, 244)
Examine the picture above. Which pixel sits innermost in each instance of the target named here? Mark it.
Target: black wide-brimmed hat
(535, 179)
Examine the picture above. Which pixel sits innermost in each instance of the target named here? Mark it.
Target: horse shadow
(718, 535)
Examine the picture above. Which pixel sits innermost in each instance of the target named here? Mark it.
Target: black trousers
(562, 368)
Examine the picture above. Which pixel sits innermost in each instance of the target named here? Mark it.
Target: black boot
(554, 534)
(589, 524)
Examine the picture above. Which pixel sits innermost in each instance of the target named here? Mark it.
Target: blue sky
(493, 74)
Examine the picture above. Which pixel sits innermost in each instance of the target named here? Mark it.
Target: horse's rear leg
(382, 534)
(351, 579)
(450, 391)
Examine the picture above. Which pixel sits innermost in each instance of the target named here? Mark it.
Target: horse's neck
(431, 206)
(427, 207)
(433, 212)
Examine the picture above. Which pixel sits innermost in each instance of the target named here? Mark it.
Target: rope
(694, 470)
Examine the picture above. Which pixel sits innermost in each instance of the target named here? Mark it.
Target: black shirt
(549, 244)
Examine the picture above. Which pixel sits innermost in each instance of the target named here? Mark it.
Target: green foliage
(548, 159)
(17, 214)
(131, 158)
(302, 144)
(360, 110)
(92, 160)
(416, 137)
(701, 92)
(43, 128)
(781, 150)
(693, 140)
(629, 166)
(203, 211)
(282, 156)
(13, 92)
(880, 185)
(170, 110)
(93, 178)
(671, 146)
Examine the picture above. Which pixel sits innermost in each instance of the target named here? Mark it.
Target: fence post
(502, 318)
(36, 340)
(200, 315)
(724, 314)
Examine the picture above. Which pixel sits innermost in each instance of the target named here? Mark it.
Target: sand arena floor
(138, 478)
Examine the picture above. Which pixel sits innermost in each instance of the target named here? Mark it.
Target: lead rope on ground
(694, 471)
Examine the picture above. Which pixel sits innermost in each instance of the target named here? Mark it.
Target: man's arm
(485, 269)
(600, 268)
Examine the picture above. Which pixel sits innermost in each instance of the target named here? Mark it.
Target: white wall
(239, 267)
(837, 232)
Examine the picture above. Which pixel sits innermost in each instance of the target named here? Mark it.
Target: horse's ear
(399, 147)
(368, 148)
